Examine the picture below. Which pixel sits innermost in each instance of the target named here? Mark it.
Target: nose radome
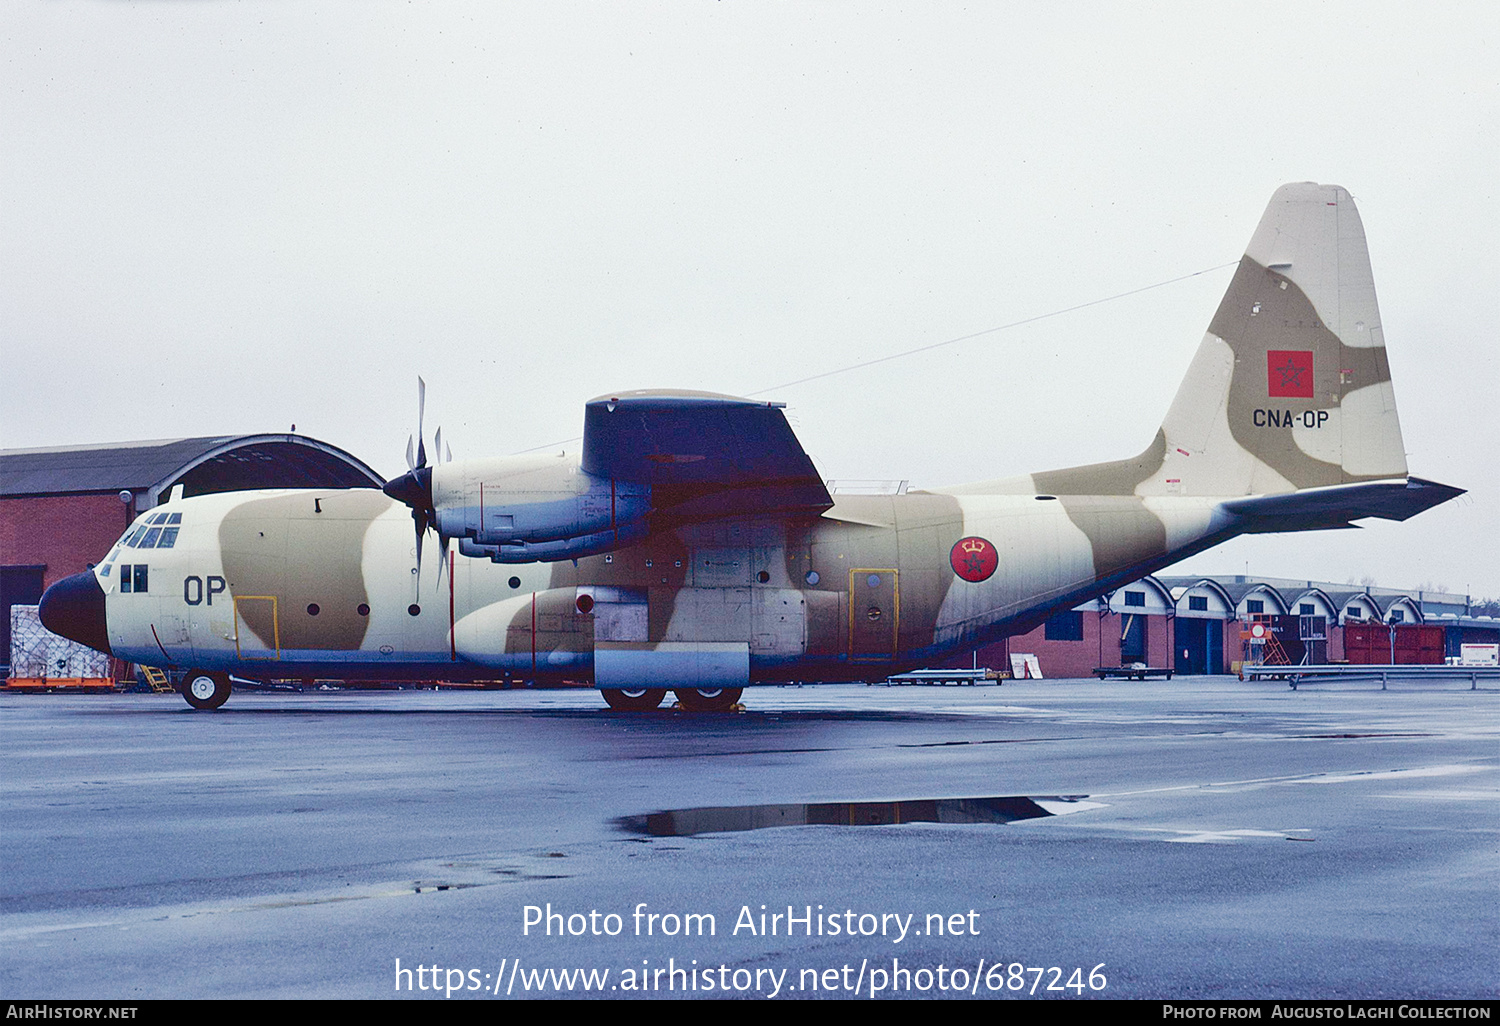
(74, 608)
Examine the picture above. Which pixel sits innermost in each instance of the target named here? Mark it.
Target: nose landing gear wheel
(708, 699)
(634, 699)
(206, 690)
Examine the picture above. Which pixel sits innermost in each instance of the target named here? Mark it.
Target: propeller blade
(410, 463)
(442, 558)
(420, 519)
(437, 444)
(421, 413)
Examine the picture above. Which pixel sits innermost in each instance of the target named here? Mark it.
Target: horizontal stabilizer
(1337, 505)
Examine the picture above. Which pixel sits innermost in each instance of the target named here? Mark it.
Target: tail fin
(1290, 388)
(1287, 412)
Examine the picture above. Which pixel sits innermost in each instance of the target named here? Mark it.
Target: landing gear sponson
(691, 699)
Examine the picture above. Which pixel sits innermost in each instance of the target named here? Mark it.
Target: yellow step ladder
(158, 679)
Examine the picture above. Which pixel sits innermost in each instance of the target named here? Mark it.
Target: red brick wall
(64, 532)
(1071, 658)
(1100, 647)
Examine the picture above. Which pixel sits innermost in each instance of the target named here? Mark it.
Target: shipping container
(1374, 644)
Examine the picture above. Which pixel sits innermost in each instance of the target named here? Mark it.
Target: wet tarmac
(1198, 838)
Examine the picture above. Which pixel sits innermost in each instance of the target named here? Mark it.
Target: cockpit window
(152, 532)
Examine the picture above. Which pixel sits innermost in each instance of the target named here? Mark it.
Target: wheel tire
(708, 699)
(634, 699)
(204, 690)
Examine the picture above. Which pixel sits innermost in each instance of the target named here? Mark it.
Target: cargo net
(38, 654)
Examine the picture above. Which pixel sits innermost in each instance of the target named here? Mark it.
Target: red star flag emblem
(1289, 373)
(973, 559)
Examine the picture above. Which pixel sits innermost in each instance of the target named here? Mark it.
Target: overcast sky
(232, 217)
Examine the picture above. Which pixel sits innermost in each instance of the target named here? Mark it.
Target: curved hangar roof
(201, 465)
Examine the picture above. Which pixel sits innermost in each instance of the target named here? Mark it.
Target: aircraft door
(174, 636)
(874, 612)
(257, 633)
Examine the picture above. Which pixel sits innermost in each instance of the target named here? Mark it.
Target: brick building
(1196, 625)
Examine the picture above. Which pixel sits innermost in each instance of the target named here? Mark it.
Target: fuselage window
(133, 578)
(149, 542)
(168, 537)
(160, 518)
(175, 518)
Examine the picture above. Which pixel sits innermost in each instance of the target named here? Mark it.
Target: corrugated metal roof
(209, 464)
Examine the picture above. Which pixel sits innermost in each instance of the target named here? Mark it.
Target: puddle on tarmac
(1002, 809)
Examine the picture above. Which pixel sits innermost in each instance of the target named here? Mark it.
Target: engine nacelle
(521, 509)
(561, 548)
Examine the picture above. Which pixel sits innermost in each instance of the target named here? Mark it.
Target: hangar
(63, 507)
(1195, 625)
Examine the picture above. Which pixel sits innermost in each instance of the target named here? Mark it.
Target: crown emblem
(973, 559)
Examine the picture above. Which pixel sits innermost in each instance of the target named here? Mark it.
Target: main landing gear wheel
(634, 699)
(708, 699)
(206, 690)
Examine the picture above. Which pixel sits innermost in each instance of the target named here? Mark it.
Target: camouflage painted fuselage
(320, 584)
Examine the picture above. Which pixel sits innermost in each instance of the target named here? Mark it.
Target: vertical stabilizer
(1290, 388)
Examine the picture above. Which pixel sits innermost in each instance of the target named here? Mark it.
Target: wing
(704, 455)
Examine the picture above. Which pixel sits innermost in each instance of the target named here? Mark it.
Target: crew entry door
(257, 634)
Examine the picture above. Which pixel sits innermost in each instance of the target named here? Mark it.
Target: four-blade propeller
(414, 488)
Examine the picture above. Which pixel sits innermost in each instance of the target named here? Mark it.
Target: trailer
(977, 675)
(1132, 672)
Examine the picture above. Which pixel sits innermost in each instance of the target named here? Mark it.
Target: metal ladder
(158, 679)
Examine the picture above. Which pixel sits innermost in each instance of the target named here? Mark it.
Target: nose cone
(74, 608)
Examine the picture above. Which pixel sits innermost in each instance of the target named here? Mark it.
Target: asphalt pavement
(1198, 838)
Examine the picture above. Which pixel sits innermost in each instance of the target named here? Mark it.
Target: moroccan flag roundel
(973, 559)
